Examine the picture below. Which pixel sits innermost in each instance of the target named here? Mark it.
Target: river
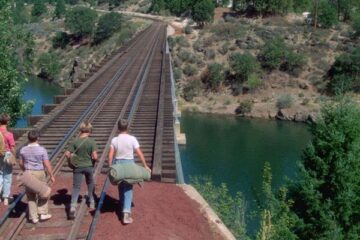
(41, 92)
(233, 150)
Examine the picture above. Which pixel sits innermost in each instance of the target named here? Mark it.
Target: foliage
(275, 54)
(188, 29)
(243, 65)
(60, 9)
(191, 90)
(284, 101)
(327, 15)
(157, 6)
(300, 6)
(49, 65)
(244, 107)
(20, 15)
(203, 12)
(184, 55)
(356, 24)
(264, 7)
(39, 8)
(345, 73)
(327, 195)
(72, 2)
(253, 81)
(190, 70)
(61, 40)
(80, 21)
(13, 64)
(108, 24)
(215, 75)
(276, 220)
(231, 209)
(177, 74)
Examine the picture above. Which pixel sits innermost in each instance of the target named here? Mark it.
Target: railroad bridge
(134, 83)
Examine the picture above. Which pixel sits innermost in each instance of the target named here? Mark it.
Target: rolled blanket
(129, 172)
(33, 184)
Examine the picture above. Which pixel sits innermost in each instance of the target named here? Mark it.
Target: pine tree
(327, 197)
(39, 8)
(203, 11)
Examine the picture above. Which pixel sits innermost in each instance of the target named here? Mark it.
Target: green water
(233, 150)
(41, 92)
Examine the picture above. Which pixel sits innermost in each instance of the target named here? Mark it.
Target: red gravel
(161, 211)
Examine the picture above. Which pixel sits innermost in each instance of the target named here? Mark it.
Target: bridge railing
(179, 169)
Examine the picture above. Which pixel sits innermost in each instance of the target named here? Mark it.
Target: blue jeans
(125, 189)
(5, 179)
(77, 180)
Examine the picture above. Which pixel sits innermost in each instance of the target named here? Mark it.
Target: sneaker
(72, 213)
(127, 219)
(34, 221)
(6, 201)
(92, 205)
(44, 217)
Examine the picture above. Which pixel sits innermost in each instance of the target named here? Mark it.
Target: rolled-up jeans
(78, 177)
(5, 178)
(125, 189)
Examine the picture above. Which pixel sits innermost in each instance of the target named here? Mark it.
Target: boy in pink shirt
(6, 169)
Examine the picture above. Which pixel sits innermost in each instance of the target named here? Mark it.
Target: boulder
(284, 115)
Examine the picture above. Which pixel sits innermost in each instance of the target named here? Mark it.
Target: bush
(171, 42)
(49, 65)
(294, 63)
(61, 40)
(177, 73)
(182, 41)
(243, 65)
(272, 53)
(198, 46)
(253, 81)
(215, 75)
(108, 24)
(190, 70)
(184, 55)
(231, 209)
(327, 15)
(224, 48)
(39, 8)
(188, 29)
(356, 24)
(284, 101)
(244, 107)
(80, 21)
(191, 90)
(209, 54)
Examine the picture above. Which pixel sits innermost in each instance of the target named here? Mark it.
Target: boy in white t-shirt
(124, 146)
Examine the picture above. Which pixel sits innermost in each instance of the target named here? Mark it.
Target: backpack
(2, 144)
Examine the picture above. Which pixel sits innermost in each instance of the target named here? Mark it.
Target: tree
(243, 65)
(157, 6)
(60, 9)
(49, 65)
(276, 220)
(215, 75)
(80, 21)
(327, 195)
(345, 73)
(108, 24)
(327, 15)
(12, 79)
(20, 15)
(356, 24)
(272, 53)
(39, 8)
(203, 11)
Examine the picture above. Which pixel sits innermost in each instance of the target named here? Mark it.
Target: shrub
(231, 209)
(108, 24)
(60, 9)
(198, 46)
(294, 63)
(210, 54)
(39, 8)
(224, 48)
(177, 73)
(49, 65)
(284, 101)
(253, 81)
(80, 21)
(191, 90)
(215, 75)
(356, 24)
(243, 65)
(182, 41)
(203, 11)
(188, 29)
(184, 55)
(272, 53)
(171, 42)
(244, 107)
(61, 40)
(190, 70)
(327, 15)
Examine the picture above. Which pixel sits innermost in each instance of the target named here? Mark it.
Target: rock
(303, 86)
(272, 115)
(284, 115)
(301, 117)
(311, 117)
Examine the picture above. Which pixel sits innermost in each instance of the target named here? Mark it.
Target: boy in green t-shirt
(82, 151)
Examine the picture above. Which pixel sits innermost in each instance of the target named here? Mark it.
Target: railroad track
(134, 85)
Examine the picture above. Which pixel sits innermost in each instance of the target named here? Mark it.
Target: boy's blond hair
(85, 127)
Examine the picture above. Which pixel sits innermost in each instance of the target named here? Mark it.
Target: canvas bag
(72, 161)
(7, 156)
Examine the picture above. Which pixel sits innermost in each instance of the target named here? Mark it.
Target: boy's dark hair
(33, 136)
(4, 119)
(123, 125)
